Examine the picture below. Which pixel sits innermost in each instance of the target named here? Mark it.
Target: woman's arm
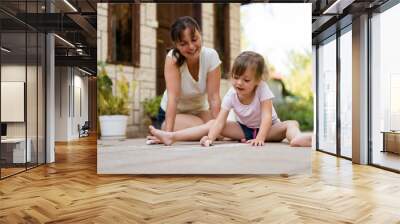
(213, 85)
(173, 82)
(266, 122)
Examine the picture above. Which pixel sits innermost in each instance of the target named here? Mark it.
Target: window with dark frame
(124, 34)
(222, 36)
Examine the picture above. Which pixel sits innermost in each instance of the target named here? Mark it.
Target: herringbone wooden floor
(70, 191)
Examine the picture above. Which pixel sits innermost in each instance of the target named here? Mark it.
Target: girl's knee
(292, 123)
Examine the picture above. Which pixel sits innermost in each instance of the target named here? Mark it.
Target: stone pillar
(50, 93)
(360, 90)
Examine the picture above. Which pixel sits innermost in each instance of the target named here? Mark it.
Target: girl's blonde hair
(251, 60)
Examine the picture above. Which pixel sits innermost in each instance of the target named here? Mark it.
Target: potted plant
(113, 104)
(150, 108)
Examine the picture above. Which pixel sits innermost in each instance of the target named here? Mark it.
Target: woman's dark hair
(176, 31)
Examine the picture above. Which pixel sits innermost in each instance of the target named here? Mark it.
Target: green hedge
(299, 109)
(299, 104)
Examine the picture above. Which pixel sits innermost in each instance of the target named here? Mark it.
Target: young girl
(250, 99)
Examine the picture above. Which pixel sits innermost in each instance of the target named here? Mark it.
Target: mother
(192, 76)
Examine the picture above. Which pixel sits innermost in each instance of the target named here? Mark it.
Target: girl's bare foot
(301, 140)
(163, 136)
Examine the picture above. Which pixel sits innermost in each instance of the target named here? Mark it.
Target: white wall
(62, 81)
(70, 83)
(12, 101)
(80, 93)
(33, 126)
(14, 73)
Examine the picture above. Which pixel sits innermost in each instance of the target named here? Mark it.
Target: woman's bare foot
(163, 136)
(301, 140)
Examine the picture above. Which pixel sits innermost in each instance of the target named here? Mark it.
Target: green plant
(299, 109)
(112, 101)
(299, 104)
(151, 106)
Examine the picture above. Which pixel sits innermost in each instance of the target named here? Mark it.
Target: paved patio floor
(133, 156)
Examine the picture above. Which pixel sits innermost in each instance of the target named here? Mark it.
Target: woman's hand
(206, 142)
(256, 142)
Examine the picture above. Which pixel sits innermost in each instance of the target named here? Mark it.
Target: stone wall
(207, 20)
(234, 23)
(144, 77)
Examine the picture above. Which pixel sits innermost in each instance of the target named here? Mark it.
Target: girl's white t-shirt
(193, 97)
(249, 115)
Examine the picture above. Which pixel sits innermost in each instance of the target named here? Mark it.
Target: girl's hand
(255, 142)
(152, 140)
(205, 141)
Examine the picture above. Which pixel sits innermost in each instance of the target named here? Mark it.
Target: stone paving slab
(133, 156)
